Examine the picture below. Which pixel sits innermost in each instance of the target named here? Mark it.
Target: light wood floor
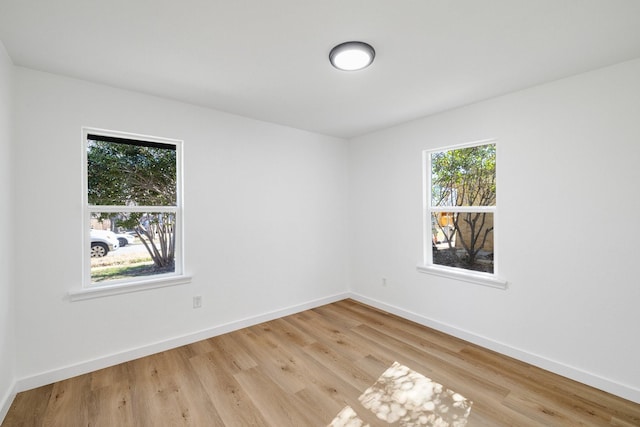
(302, 370)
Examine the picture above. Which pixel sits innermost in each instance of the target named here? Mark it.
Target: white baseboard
(6, 401)
(70, 371)
(613, 387)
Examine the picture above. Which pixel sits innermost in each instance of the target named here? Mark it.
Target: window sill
(465, 276)
(124, 288)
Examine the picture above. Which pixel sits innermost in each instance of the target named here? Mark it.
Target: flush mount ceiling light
(352, 56)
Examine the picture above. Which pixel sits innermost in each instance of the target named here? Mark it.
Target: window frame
(427, 265)
(114, 287)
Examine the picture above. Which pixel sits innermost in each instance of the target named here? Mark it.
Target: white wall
(265, 222)
(7, 341)
(568, 176)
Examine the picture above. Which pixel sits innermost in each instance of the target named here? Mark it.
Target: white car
(125, 239)
(103, 241)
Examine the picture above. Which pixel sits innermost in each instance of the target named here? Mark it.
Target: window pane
(141, 244)
(463, 240)
(131, 173)
(464, 176)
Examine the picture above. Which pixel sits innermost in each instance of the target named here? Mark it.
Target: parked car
(125, 239)
(103, 241)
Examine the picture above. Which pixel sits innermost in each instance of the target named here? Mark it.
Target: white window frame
(114, 287)
(427, 265)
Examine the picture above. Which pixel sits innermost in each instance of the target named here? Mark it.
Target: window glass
(464, 176)
(461, 208)
(469, 246)
(126, 173)
(145, 245)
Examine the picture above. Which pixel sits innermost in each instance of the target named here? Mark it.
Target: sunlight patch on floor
(347, 418)
(408, 398)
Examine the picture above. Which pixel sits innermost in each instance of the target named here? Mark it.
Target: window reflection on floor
(347, 418)
(408, 398)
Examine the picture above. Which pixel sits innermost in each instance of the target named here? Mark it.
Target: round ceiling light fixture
(352, 56)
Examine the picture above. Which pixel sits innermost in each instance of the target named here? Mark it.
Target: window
(460, 213)
(133, 212)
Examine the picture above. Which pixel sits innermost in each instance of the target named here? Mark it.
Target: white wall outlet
(197, 302)
(384, 281)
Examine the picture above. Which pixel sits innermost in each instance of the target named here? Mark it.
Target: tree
(465, 177)
(136, 174)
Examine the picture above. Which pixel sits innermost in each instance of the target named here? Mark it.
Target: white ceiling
(268, 59)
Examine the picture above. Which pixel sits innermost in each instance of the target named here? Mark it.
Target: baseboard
(70, 371)
(613, 387)
(6, 401)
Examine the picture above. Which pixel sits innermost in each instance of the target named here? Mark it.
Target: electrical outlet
(384, 281)
(197, 302)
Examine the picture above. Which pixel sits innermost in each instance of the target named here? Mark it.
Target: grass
(116, 266)
(115, 258)
(122, 272)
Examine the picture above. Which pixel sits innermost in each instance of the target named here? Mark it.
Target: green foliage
(126, 174)
(464, 176)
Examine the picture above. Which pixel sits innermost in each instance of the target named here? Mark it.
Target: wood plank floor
(302, 370)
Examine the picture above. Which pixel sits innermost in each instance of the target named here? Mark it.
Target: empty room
(319, 213)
